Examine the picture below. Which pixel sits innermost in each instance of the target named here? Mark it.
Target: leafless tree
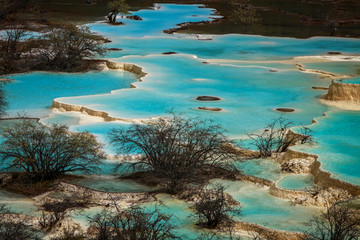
(133, 224)
(339, 222)
(11, 48)
(70, 233)
(307, 135)
(65, 47)
(176, 149)
(275, 138)
(55, 211)
(212, 208)
(11, 6)
(15, 229)
(3, 102)
(47, 152)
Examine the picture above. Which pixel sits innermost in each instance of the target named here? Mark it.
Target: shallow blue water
(338, 144)
(111, 184)
(258, 206)
(263, 168)
(355, 80)
(154, 21)
(297, 182)
(249, 92)
(33, 93)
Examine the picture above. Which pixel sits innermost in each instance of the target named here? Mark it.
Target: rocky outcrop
(298, 165)
(97, 197)
(321, 198)
(322, 178)
(340, 91)
(134, 17)
(267, 233)
(184, 26)
(127, 67)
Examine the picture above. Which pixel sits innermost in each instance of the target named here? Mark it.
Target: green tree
(117, 6)
(47, 152)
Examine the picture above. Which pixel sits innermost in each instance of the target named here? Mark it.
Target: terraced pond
(252, 76)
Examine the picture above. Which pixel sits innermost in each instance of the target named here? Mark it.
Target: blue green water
(258, 206)
(112, 184)
(239, 73)
(297, 182)
(33, 93)
(338, 144)
(355, 80)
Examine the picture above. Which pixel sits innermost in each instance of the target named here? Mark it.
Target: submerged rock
(214, 109)
(285, 109)
(169, 53)
(334, 53)
(134, 17)
(114, 49)
(320, 88)
(208, 98)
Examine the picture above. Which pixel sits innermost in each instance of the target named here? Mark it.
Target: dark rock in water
(320, 88)
(334, 53)
(272, 70)
(169, 53)
(205, 62)
(134, 17)
(208, 98)
(116, 23)
(285, 109)
(114, 49)
(214, 109)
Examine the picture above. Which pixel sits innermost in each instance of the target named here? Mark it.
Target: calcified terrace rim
(138, 71)
(322, 177)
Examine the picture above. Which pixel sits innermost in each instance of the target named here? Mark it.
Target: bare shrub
(176, 149)
(134, 223)
(47, 152)
(339, 222)
(275, 138)
(212, 208)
